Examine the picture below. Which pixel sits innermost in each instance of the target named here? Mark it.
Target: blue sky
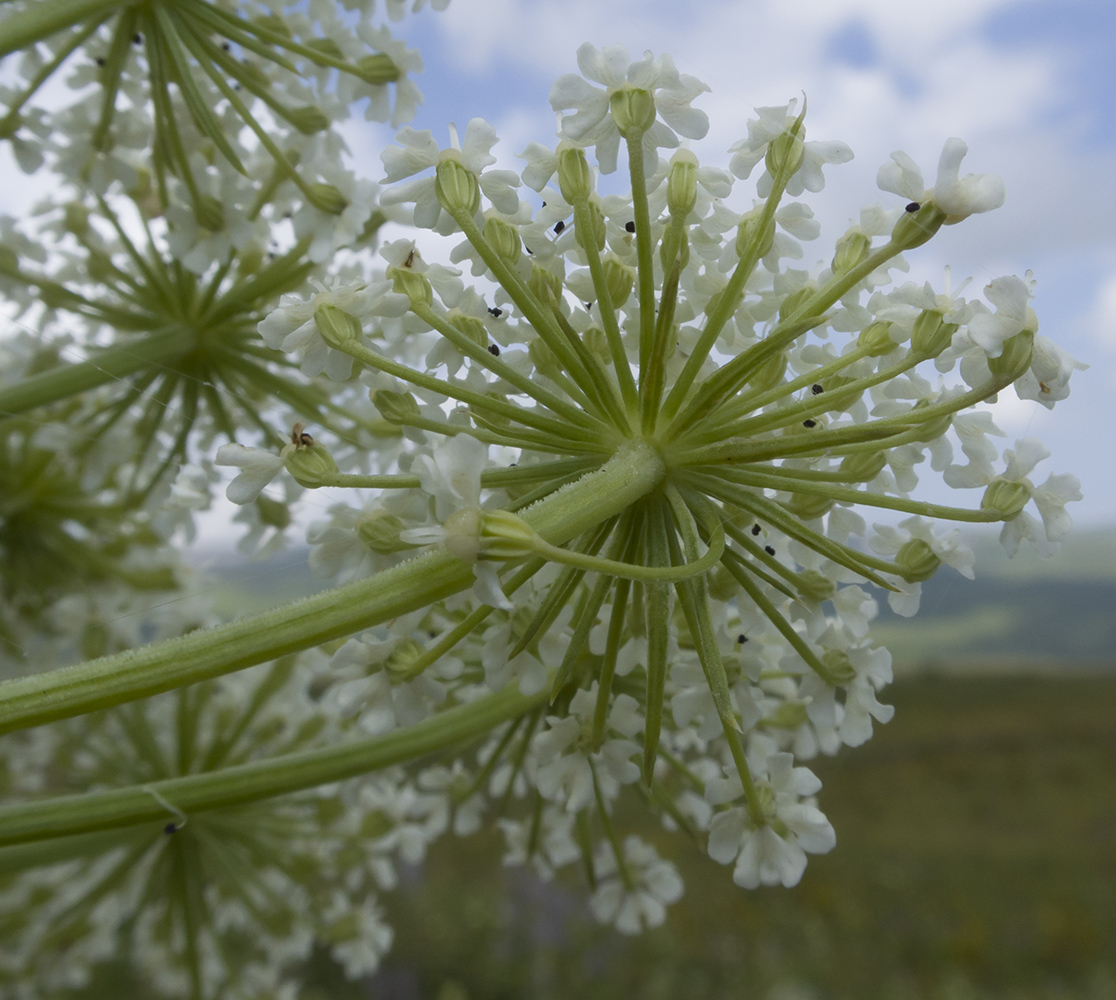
(1030, 85)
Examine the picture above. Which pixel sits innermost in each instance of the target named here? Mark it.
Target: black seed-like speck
(914, 206)
(756, 529)
(742, 638)
(494, 350)
(809, 423)
(769, 550)
(559, 226)
(496, 312)
(816, 388)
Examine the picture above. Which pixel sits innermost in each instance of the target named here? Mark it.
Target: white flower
(639, 903)
(1010, 296)
(418, 152)
(258, 468)
(959, 197)
(776, 851)
(1047, 380)
(591, 123)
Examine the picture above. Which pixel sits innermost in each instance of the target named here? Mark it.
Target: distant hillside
(1019, 612)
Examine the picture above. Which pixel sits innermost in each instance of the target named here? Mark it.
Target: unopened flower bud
(752, 234)
(471, 327)
(505, 535)
(326, 198)
(278, 26)
(721, 584)
(875, 339)
(395, 407)
(380, 533)
(770, 373)
(931, 334)
(403, 656)
(807, 506)
(308, 119)
(457, 187)
(633, 110)
(338, 328)
(794, 302)
(377, 69)
(1005, 497)
(594, 232)
(917, 560)
(789, 715)
(1015, 358)
(463, 533)
(619, 280)
(544, 285)
(815, 586)
(862, 467)
(249, 259)
(917, 225)
(682, 183)
(310, 465)
(412, 284)
(544, 359)
(839, 666)
(504, 239)
(575, 178)
(852, 250)
(785, 153)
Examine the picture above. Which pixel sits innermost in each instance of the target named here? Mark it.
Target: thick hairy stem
(30, 701)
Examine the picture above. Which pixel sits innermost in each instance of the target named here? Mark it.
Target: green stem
(106, 366)
(30, 701)
(234, 786)
(39, 21)
(645, 263)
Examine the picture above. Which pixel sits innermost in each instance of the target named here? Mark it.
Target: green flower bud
(412, 284)
(597, 343)
(619, 279)
(633, 110)
(751, 233)
(575, 178)
(395, 407)
(852, 250)
(595, 231)
(770, 373)
(682, 183)
(210, 213)
(1005, 497)
(505, 535)
(722, 584)
(918, 561)
(326, 198)
(256, 75)
(273, 513)
(544, 285)
(504, 239)
(1015, 358)
(249, 259)
(380, 533)
(840, 667)
(544, 359)
(402, 658)
(377, 69)
(75, 218)
(815, 586)
(793, 303)
(931, 334)
(472, 328)
(785, 153)
(935, 427)
(875, 340)
(808, 506)
(457, 187)
(863, 467)
(338, 328)
(310, 465)
(917, 226)
(308, 119)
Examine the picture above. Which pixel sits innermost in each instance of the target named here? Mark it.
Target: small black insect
(497, 313)
(137, 39)
(769, 550)
(756, 529)
(100, 61)
(170, 828)
(559, 226)
(809, 423)
(494, 350)
(816, 388)
(629, 227)
(742, 638)
(914, 206)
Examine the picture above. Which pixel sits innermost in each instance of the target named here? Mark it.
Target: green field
(976, 858)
